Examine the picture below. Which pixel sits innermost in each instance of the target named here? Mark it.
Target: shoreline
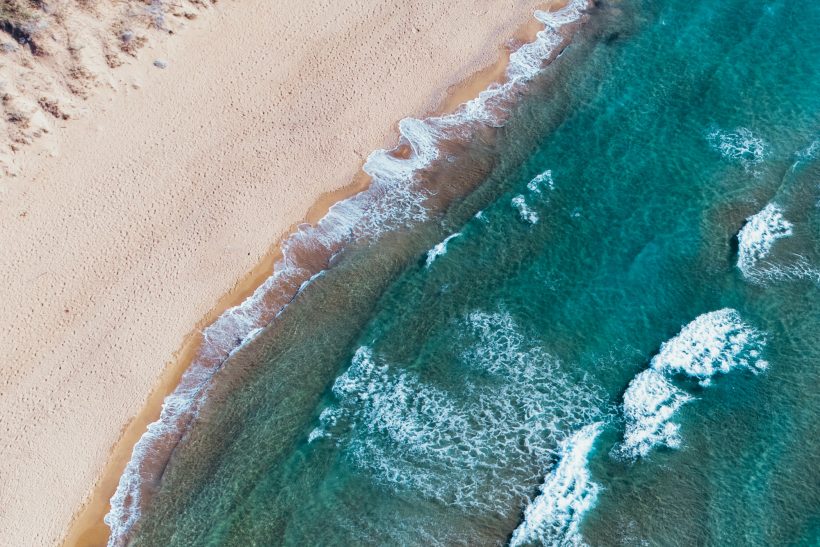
(87, 526)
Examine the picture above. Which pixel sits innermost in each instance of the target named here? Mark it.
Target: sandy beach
(163, 205)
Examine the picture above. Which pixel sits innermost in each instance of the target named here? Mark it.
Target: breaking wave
(395, 198)
(554, 516)
(650, 402)
(476, 445)
(714, 343)
(438, 250)
(755, 242)
(757, 237)
(524, 211)
(538, 182)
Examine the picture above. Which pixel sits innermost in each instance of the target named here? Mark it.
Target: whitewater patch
(439, 249)
(650, 402)
(395, 199)
(475, 445)
(755, 242)
(541, 181)
(519, 203)
(536, 187)
(554, 516)
(739, 145)
(756, 238)
(714, 343)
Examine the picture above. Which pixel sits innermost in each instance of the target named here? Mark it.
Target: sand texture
(145, 211)
(54, 54)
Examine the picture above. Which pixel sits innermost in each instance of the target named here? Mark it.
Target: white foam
(524, 211)
(477, 448)
(740, 145)
(554, 516)
(758, 235)
(438, 250)
(650, 402)
(394, 199)
(714, 343)
(526, 62)
(810, 152)
(755, 242)
(540, 181)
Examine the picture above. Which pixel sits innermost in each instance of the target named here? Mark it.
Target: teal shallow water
(416, 394)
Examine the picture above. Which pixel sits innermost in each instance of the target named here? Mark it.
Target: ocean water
(592, 318)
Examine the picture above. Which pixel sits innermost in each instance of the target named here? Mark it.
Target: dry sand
(162, 197)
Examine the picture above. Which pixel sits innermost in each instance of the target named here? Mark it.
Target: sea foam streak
(554, 517)
(715, 342)
(394, 199)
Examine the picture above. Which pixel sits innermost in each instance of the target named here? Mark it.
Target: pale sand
(162, 197)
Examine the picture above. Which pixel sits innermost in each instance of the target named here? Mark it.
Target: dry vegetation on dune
(16, 19)
(54, 53)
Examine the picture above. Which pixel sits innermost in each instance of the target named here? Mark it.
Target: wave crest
(439, 249)
(714, 343)
(554, 516)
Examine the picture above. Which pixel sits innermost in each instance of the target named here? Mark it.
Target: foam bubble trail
(740, 145)
(554, 516)
(396, 198)
(714, 343)
(438, 250)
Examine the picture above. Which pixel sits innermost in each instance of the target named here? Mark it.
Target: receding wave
(714, 343)
(554, 516)
(396, 198)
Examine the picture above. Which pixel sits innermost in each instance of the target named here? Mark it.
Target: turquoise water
(605, 350)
